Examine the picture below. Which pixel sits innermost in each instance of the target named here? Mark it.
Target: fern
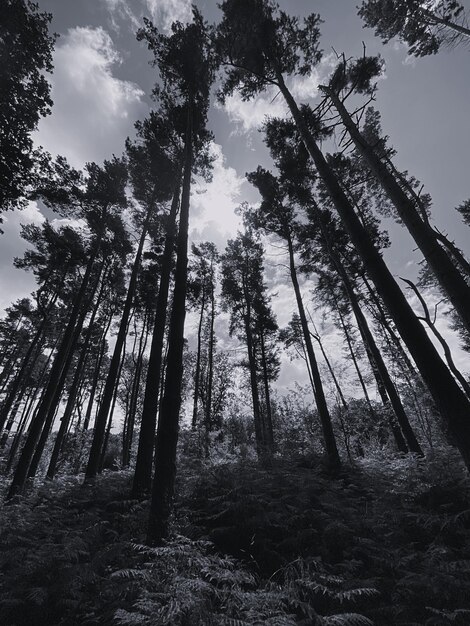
(346, 619)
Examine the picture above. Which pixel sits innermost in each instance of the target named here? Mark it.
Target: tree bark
(168, 424)
(142, 482)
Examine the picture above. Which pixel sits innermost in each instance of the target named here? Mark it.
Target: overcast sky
(101, 85)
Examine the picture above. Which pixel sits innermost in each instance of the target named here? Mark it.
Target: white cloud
(251, 115)
(121, 9)
(213, 204)
(93, 110)
(165, 12)
(15, 283)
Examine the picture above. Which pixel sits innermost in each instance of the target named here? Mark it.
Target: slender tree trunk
(40, 417)
(449, 398)
(325, 418)
(389, 394)
(197, 374)
(144, 462)
(55, 402)
(267, 395)
(168, 423)
(449, 277)
(11, 419)
(111, 412)
(135, 391)
(73, 391)
(331, 370)
(210, 373)
(354, 360)
(102, 417)
(24, 368)
(260, 434)
(22, 425)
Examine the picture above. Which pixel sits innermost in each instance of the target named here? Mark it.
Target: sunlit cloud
(93, 110)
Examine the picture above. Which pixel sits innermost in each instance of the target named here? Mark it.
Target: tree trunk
(73, 391)
(448, 396)
(144, 462)
(102, 416)
(330, 369)
(328, 434)
(197, 374)
(96, 377)
(135, 391)
(267, 395)
(55, 403)
(390, 394)
(24, 368)
(210, 374)
(260, 434)
(168, 423)
(40, 417)
(435, 19)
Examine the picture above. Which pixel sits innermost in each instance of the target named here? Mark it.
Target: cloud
(120, 9)
(213, 204)
(251, 115)
(93, 110)
(165, 12)
(15, 283)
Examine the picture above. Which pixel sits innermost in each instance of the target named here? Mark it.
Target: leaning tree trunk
(40, 417)
(102, 417)
(54, 406)
(24, 368)
(449, 398)
(73, 391)
(391, 395)
(97, 370)
(448, 275)
(142, 482)
(168, 423)
(126, 455)
(328, 433)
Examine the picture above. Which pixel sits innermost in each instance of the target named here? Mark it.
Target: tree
(26, 52)
(244, 295)
(100, 204)
(425, 25)
(186, 67)
(277, 215)
(151, 176)
(259, 45)
(357, 77)
(201, 295)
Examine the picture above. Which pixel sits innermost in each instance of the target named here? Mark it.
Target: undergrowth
(283, 545)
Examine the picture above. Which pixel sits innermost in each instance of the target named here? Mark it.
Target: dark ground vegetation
(384, 544)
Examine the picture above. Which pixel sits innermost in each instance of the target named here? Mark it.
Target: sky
(102, 82)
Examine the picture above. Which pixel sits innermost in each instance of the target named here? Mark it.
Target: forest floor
(286, 544)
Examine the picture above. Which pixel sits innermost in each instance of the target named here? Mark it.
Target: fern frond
(346, 619)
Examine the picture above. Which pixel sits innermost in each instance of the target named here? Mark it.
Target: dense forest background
(234, 384)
